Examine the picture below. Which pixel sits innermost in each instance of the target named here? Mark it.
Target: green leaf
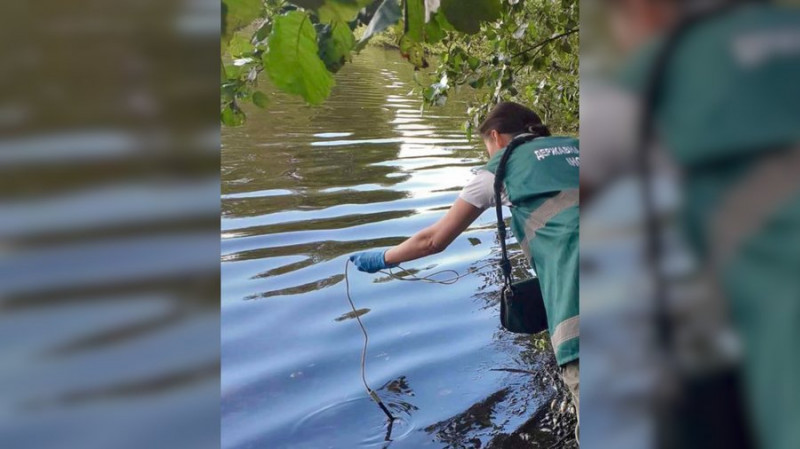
(442, 21)
(232, 115)
(433, 32)
(436, 27)
(336, 46)
(344, 10)
(309, 4)
(232, 71)
(228, 91)
(264, 30)
(415, 19)
(330, 11)
(477, 83)
(414, 52)
(466, 15)
(387, 14)
(260, 99)
(237, 14)
(239, 45)
(292, 60)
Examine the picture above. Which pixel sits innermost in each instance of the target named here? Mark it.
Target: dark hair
(513, 118)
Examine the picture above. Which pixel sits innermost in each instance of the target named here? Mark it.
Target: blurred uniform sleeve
(608, 113)
(727, 119)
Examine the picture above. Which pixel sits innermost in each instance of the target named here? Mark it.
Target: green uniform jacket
(542, 185)
(729, 114)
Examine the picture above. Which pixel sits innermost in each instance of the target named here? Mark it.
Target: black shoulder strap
(650, 100)
(499, 174)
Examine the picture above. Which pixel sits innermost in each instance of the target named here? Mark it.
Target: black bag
(521, 304)
(522, 307)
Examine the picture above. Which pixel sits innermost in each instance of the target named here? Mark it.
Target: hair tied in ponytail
(538, 130)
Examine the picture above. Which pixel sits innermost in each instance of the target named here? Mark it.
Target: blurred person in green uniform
(727, 114)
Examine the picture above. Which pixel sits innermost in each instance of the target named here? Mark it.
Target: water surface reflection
(302, 189)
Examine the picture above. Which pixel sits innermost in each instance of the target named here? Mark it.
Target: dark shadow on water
(341, 222)
(350, 315)
(321, 251)
(283, 269)
(308, 200)
(391, 393)
(459, 431)
(305, 288)
(484, 425)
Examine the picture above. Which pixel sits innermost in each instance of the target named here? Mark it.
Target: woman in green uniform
(541, 188)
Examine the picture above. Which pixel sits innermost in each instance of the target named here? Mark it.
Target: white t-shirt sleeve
(480, 191)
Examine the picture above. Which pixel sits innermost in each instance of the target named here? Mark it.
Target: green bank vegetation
(524, 51)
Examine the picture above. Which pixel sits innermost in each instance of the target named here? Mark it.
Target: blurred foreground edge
(691, 244)
(109, 228)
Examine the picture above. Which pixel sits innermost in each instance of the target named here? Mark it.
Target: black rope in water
(408, 276)
(370, 391)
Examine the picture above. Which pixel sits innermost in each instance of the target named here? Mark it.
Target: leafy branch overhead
(517, 50)
(292, 60)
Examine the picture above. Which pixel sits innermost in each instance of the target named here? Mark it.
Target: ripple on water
(332, 135)
(356, 419)
(304, 187)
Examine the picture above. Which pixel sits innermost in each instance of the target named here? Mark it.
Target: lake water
(302, 189)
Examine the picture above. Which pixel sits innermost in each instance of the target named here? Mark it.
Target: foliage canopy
(524, 51)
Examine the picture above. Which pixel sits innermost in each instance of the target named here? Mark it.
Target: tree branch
(545, 42)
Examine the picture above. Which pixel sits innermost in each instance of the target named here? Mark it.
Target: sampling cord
(370, 391)
(408, 276)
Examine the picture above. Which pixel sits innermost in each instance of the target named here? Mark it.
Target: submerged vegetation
(524, 51)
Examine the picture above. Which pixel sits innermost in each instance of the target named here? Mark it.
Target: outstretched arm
(436, 237)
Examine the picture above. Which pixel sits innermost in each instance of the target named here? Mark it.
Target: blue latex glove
(370, 261)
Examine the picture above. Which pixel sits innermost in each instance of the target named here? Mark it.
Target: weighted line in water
(410, 276)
